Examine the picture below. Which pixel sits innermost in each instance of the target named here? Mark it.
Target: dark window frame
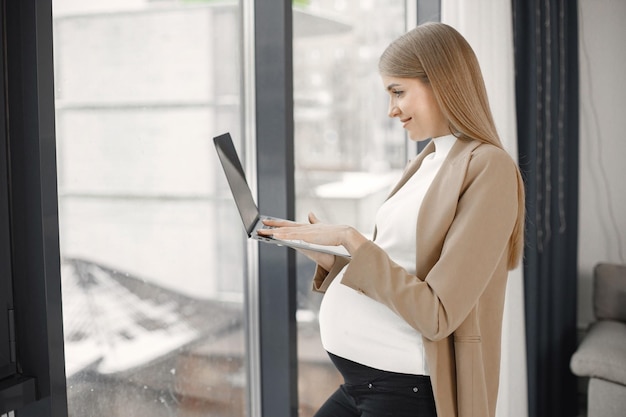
(7, 354)
(37, 387)
(275, 183)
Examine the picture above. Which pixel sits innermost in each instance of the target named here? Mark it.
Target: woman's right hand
(325, 260)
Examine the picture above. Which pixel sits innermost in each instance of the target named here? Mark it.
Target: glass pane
(153, 303)
(348, 152)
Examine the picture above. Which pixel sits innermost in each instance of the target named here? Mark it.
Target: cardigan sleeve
(474, 246)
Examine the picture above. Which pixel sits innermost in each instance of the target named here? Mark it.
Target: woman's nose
(393, 110)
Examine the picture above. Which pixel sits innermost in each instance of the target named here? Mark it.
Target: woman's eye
(397, 93)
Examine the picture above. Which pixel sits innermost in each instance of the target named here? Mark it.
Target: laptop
(248, 210)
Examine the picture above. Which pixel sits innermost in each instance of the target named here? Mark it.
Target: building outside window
(152, 273)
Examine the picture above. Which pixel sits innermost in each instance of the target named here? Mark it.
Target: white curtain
(488, 27)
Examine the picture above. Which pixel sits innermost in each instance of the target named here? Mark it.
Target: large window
(166, 309)
(348, 153)
(153, 254)
(152, 250)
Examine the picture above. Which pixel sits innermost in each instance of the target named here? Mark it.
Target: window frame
(276, 284)
(31, 227)
(7, 354)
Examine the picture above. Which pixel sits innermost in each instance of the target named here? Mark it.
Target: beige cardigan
(456, 299)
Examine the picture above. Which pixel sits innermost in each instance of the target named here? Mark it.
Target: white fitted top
(361, 329)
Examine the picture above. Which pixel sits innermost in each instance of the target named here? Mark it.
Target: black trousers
(369, 392)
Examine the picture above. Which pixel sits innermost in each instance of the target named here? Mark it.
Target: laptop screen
(237, 181)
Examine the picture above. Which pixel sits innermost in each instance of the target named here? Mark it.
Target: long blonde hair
(440, 56)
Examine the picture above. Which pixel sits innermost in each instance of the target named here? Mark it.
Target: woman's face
(413, 103)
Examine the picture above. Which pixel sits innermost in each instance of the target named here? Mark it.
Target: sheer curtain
(487, 25)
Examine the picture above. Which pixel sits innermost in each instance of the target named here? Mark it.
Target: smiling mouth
(405, 121)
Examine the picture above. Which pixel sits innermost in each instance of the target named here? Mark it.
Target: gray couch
(601, 356)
